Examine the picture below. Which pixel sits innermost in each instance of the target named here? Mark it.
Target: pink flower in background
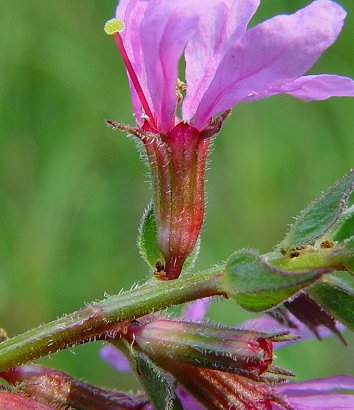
(319, 394)
(225, 64)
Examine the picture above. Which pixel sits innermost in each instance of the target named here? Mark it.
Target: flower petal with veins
(273, 53)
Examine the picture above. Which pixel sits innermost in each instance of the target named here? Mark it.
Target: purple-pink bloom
(319, 394)
(226, 63)
(115, 358)
(196, 310)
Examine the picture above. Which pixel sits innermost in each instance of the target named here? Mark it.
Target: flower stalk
(105, 319)
(102, 319)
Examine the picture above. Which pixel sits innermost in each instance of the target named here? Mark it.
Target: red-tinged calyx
(60, 390)
(220, 390)
(177, 163)
(14, 401)
(206, 345)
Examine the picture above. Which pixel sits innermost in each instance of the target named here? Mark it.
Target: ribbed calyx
(177, 163)
(227, 349)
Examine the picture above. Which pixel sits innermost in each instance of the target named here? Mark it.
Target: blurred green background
(72, 191)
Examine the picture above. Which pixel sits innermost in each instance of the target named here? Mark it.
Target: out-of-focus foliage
(72, 191)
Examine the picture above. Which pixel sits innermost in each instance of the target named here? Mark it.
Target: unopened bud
(12, 401)
(63, 391)
(206, 345)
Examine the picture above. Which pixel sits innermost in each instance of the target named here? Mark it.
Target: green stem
(312, 258)
(108, 316)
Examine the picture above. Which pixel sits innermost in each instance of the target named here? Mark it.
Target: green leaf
(147, 238)
(346, 227)
(155, 382)
(258, 286)
(321, 215)
(148, 244)
(337, 299)
(349, 246)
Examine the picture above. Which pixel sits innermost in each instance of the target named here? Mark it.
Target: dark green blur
(72, 191)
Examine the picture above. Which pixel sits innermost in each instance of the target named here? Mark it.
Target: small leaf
(321, 215)
(349, 246)
(337, 299)
(147, 238)
(148, 245)
(155, 383)
(346, 228)
(258, 286)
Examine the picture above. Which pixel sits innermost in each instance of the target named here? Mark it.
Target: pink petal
(329, 384)
(115, 358)
(155, 36)
(219, 28)
(187, 400)
(196, 311)
(319, 87)
(320, 402)
(319, 394)
(273, 53)
(323, 402)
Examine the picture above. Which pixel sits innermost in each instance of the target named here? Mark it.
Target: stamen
(114, 27)
(137, 132)
(180, 88)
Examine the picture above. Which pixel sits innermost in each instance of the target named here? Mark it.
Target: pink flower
(225, 64)
(319, 394)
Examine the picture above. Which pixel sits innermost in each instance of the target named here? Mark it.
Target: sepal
(158, 385)
(337, 298)
(148, 244)
(218, 390)
(257, 285)
(313, 315)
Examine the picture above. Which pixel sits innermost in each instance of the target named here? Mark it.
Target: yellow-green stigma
(113, 26)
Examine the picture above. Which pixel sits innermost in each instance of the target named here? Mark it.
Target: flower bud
(206, 345)
(14, 401)
(54, 387)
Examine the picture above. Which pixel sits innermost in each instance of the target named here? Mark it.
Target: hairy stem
(107, 317)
